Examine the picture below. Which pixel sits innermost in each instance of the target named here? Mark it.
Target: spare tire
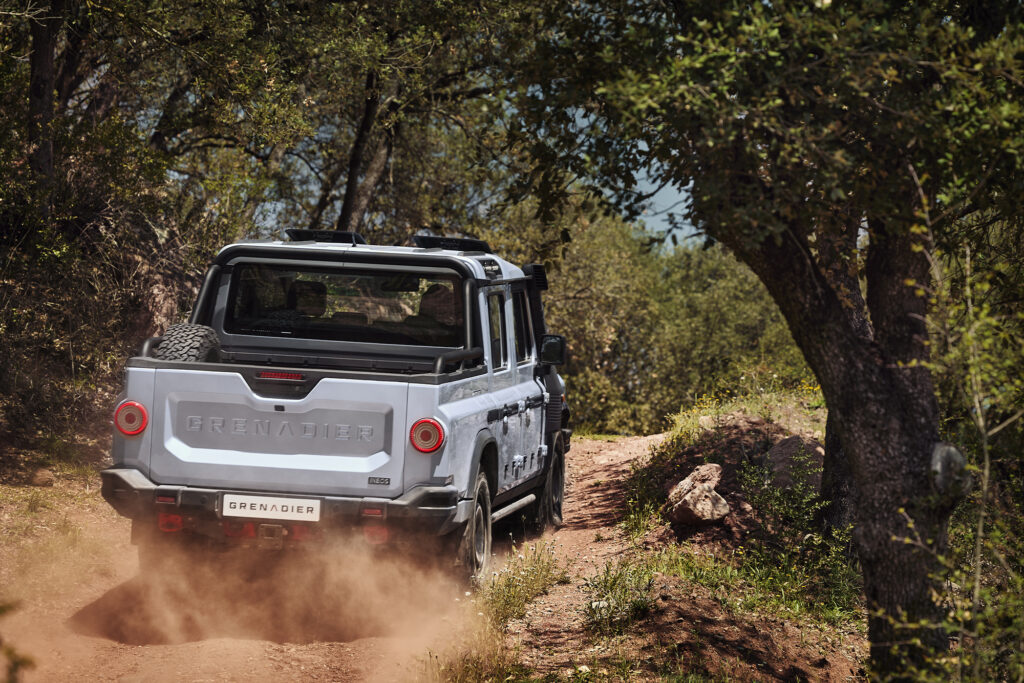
(190, 343)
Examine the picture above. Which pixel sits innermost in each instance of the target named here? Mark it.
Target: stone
(42, 477)
(709, 474)
(706, 422)
(701, 505)
(949, 472)
(795, 458)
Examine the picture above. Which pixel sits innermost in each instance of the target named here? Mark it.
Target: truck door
(530, 391)
(504, 390)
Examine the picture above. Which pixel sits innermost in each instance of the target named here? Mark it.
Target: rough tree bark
(885, 415)
(836, 250)
(371, 179)
(42, 81)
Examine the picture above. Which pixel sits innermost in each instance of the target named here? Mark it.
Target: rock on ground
(795, 459)
(694, 499)
(43, 477)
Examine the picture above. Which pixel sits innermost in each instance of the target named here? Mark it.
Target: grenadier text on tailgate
(253, 427)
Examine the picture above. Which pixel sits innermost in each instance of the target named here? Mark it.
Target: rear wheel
(190, 343)
(473, 552)
(547, 511)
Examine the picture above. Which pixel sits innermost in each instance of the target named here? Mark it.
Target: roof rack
(334, 236)
(452, 243)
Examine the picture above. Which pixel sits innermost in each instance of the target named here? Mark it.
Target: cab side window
(496, 315)
(524, 339)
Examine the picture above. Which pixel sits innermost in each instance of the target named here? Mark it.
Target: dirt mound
(688, 627)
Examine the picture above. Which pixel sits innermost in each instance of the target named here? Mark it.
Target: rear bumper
(434, 510)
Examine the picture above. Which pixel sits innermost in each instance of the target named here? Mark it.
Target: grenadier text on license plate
(269, 507)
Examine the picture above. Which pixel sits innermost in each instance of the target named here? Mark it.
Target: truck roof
(484, 265)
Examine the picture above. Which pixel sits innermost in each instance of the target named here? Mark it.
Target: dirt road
(350, 615)
(85, 615)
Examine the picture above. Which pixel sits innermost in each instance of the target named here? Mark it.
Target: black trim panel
(510, 409)
(249, 370)
(134, 496)
(520, 489)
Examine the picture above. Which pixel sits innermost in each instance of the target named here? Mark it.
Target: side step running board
(512, 507)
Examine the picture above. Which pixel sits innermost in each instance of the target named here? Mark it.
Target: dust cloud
(341, 592)
(339, 611)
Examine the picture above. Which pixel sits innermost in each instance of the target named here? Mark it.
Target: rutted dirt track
(351, 615)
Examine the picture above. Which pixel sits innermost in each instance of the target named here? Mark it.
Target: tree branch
(355, 162)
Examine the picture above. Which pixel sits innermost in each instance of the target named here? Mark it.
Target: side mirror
(552, 350)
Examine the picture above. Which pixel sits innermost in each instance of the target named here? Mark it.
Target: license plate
(269, 507)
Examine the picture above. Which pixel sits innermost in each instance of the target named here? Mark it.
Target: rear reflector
(373, 512)
(166, 499)
(130, 418)
(239, 529)
(170, 522)
(280, 375)
(426, 435)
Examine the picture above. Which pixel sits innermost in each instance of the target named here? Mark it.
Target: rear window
(382, 307)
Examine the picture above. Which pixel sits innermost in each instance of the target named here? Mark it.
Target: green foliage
(603, 298)
(719, 326)
(177, 128)
(787, 562)
(530, 572)
(979, 335)
(618, 595)
(791, 556)
(794, 127)
(783, 113)
(650, 330)
(748, 580)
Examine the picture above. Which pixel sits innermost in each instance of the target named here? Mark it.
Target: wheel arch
(485, 459)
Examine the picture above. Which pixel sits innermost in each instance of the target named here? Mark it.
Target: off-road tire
(547, 511)
(473, 546)
(189, 343)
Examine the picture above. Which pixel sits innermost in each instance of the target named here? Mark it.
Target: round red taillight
(130, 418)
(426, 435)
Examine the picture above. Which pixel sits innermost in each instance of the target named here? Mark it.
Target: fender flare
(484, 438)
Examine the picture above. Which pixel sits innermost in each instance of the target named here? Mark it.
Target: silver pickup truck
(323, 385)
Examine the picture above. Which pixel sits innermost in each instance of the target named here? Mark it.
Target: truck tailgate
(212, 430)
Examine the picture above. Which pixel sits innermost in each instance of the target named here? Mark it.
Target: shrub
(808, 567)
(528, 574)
(618, 595)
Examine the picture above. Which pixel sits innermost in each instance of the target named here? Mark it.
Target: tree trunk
(886, 416)
(42, 80)
(359, 147)
(837, 487)
(836, 247)
(368, 186)
(165, 128)
(71, 73)
(326, 195)
(889, 429)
